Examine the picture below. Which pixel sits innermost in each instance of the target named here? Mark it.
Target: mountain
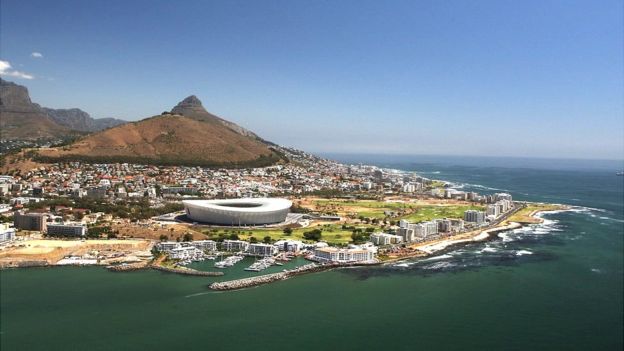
(107, 122)
(20, 118)
(77, 119)
(192, 107)
(188, 135)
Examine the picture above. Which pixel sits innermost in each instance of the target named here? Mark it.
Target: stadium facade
(237, 212)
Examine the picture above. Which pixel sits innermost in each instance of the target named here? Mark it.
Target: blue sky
(497, 78)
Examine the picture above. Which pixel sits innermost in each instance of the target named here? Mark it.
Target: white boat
(261, 265)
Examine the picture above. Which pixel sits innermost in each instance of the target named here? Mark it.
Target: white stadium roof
(246, 205)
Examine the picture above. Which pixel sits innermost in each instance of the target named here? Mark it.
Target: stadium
(237, 212)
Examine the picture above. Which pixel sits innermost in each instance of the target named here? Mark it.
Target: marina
(228, 261)
(262, 264)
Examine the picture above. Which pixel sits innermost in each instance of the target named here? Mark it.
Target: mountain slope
(196, 138)
(20, 118)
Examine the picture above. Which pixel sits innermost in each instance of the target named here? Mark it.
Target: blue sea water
(552, 286)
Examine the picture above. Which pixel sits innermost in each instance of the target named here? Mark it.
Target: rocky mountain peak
(189, 106)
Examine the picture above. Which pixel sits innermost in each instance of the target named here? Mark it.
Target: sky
(494, 78)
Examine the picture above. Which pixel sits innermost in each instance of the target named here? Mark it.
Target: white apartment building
(289, 245)
(261, 249)
(235, 245)
(385, 239)
(204, 245)
(413, 231)
(340, 255)
(185, 253)
(6, 233)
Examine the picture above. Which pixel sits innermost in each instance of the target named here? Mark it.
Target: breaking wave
(475, 186)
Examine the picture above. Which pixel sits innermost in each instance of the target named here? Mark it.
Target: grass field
(401, 210)
(524, 215)
(331, 233)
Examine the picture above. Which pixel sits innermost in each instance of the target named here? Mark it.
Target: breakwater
(268, 278)
(186, 271)
(128, 267)
(25, 264)
(286, 274)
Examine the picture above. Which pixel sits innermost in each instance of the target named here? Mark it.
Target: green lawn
(376, 209)
(332, 233)
(366, 208)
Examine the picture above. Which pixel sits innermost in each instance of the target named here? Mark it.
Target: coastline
(529, 213)
(421, 250)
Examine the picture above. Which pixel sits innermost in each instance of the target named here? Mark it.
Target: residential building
(166, 246)
(30, 221)
(68, 229)
(385, 239)
(6, 233)
(204, 245)
(474, 216)
(185, 253)
(235, 245)
(289, 245)
(261, 249)
(97, 193)
(502, 196)
(444, 225)
(493, 210)
(340, 255)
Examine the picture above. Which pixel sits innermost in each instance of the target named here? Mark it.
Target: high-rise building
(30, 221)
(474, 216)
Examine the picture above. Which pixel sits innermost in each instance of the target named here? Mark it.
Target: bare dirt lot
(51, 251)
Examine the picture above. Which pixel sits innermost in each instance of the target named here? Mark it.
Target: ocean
(552, 286)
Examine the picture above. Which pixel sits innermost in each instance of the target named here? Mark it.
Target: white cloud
(7, 70)
(36, 54)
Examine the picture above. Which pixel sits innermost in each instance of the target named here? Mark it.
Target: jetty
(268, 278)
(128, 267)
(186, 271)
(286, 274)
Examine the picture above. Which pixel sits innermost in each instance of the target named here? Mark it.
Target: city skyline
(489, 78)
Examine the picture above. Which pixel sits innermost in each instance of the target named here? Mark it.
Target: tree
(267, 239)
(233, 236)
(155, 251)
(253, 240)
(163, 237)
(288, 231)
(314, 234)
(187, 237)
(358, 237)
